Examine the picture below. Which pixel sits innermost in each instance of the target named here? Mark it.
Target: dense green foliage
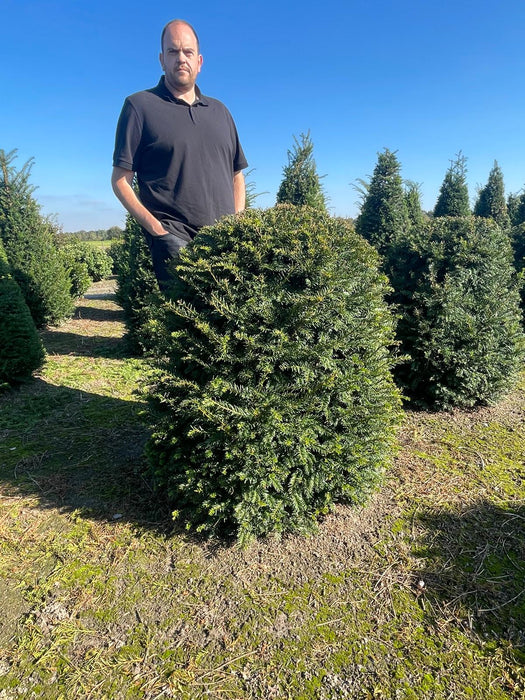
(416, 217)
(301, 184)
(517, 237)
(453, 197)
(21, 351)
(516, 208)
(384, 216)
(491, 201)
(137, 288)
(97, 261)
(274, 397)
(30, 246)
(458, 297)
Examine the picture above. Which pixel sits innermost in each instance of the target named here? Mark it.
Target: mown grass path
(418, 595)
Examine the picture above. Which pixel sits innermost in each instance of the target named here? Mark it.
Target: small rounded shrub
(116, 253)
(273, 397)
(460, 322)
(77, 270)
(21, 350)
(96, 260)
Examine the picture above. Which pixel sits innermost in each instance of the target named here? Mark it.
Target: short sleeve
(127, 138)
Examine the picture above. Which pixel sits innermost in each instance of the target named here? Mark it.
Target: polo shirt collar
(200, 99)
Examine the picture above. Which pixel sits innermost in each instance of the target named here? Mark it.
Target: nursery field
(420, 594)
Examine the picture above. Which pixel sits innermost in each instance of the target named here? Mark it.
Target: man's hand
(122, 183)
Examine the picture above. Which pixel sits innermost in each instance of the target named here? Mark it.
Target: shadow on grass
(78, 451)
(65, 343)
(91, 313)
(475, 568)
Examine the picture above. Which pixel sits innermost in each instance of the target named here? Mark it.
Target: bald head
(181, 22)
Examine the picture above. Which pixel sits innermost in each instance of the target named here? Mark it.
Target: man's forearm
(122, 183)
(239, 192)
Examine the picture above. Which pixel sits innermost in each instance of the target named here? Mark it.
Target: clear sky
(426, 78)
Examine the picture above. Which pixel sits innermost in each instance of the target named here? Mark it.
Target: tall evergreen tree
(301, 184)
(416, 218)
(28, 238)
(516, 208)
(453, 196)
(137, 288)
(21, 350)
(384, 216)
(491, 202)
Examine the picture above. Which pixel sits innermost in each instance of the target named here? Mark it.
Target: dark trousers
(163, 249)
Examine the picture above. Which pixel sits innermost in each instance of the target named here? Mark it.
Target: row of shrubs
(41, 273)
(281, 353)
(272, 395)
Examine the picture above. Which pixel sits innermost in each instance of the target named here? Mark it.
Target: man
(183, 148)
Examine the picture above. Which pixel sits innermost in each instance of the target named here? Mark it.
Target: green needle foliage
(28, 239)
(416, 218)
(516, 208)
(384, 215)
(453, 197)
(274, 397)
(301, 184)
(491, 199)
(517, 238)
(137, 288)
(21, 351)
(458, 298)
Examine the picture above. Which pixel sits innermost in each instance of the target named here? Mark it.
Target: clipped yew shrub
(459, 300)
(76, 269)
(517, 237)
(137, 288)
(21, 350)
(273, 398)
(29, 241)
(97, 261)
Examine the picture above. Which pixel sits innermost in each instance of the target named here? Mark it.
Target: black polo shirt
(184, 157)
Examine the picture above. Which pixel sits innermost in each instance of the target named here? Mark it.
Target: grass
(418, 595)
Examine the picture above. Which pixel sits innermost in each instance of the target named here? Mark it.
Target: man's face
(180, 58)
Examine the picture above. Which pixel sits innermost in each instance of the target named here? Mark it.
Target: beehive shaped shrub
(21, 350)
(459, 302)
(274, 397)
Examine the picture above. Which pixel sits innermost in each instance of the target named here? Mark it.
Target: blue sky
(427, 78)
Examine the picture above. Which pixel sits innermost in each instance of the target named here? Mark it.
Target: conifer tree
(416, 218)
(383, 217)
(21, 350)
(453, 197)
(516, 208)
(460, 319)
(274, 397)
(491, 202)
(301, 185)
(137, 288)
(28, 237)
